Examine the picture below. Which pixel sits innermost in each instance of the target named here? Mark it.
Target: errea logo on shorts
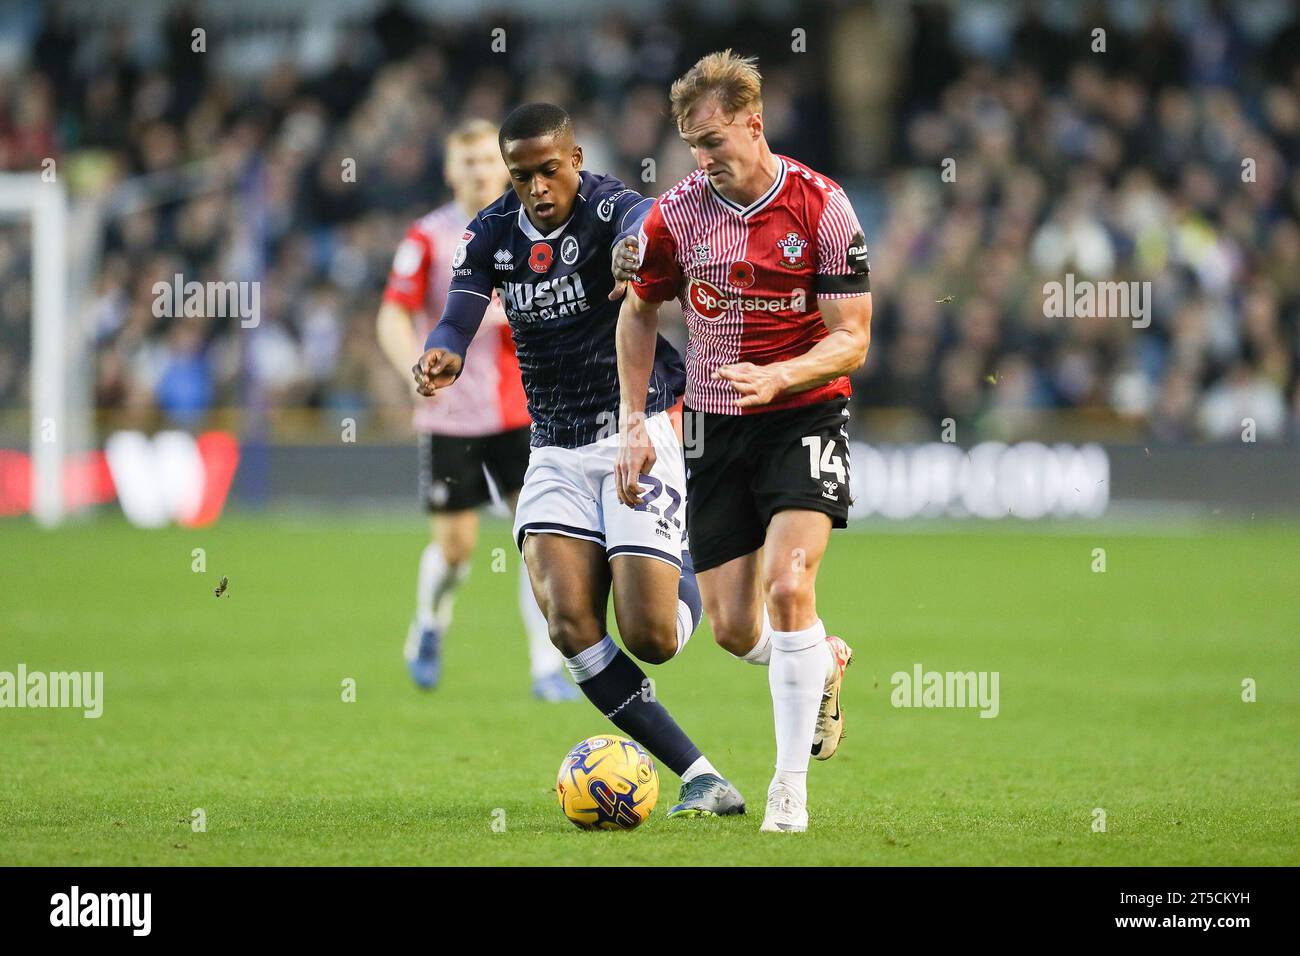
(708, 302)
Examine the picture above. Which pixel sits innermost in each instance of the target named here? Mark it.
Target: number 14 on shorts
(823, 461)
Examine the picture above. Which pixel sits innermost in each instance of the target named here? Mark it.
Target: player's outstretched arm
(445, 348)
(638, 326)
(842, 352)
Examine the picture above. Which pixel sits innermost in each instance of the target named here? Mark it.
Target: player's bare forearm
(396, 332)
(842, 352)
(638, 325)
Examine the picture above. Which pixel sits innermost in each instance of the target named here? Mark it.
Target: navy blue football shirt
(555, 290)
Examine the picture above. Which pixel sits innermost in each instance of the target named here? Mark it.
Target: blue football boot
(424, 656)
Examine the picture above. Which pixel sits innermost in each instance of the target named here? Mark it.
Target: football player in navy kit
(546, 245)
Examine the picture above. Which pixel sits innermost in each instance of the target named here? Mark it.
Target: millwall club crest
(792, 248)
(569, 250)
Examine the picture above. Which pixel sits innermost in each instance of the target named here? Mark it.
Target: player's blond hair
(470, 130)
(733, 80)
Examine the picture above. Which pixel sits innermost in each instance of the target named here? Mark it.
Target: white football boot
(786, 812)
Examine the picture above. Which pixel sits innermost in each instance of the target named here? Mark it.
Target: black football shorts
(749, 467)
(452, 468)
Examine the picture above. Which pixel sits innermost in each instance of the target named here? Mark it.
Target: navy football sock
(688, 591)
(621, 691)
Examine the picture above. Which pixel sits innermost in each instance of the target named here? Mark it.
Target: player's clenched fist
(436, 369)
(636, 457)
(626, 260)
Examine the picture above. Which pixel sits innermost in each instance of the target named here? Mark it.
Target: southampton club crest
(792, 247)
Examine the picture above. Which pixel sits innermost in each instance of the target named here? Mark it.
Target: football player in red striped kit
(770, 265)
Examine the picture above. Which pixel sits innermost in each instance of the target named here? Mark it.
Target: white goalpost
(45, 205)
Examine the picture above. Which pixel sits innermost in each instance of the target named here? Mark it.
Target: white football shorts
(570, 491)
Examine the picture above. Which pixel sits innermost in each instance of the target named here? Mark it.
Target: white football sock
(699, 767)
(797, 677)
(685, 626)
(436, 590)
(761, 652)
(432, 566)
(543, 656)
(445, 596)
(587, 664)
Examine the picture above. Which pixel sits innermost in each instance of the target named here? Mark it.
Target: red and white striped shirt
(748, 277)
(489, 394)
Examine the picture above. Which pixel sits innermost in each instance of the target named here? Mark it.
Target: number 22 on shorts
(658, 488)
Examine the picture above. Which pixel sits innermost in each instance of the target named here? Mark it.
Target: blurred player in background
(770, 265)
(474, 433)
(546, 245)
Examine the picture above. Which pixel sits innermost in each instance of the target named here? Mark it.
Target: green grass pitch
(1119, 690)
